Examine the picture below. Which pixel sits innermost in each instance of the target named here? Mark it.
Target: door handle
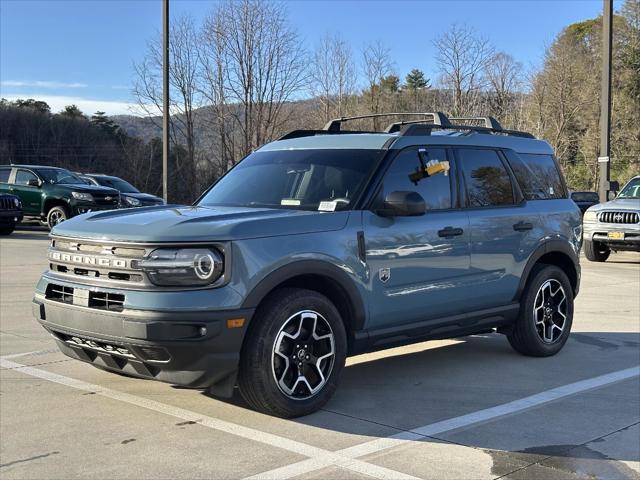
(450, 232)
(522, 226)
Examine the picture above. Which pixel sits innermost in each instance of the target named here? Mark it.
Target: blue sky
(82, 51)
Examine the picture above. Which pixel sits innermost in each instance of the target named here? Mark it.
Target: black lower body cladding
(190, 349)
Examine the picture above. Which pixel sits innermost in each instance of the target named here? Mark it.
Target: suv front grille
(97, 263)
(7, 203)
(113, 302)
(618, 217)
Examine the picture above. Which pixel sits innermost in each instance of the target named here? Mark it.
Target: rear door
(30, 195)
(503, 232)
(418, 265)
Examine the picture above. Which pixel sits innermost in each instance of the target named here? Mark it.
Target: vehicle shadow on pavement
(436, 382)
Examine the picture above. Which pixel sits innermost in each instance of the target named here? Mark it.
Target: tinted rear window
(585, 197)
(486, 178)
(538, 176)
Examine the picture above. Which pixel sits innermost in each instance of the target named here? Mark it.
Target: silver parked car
(614, 225)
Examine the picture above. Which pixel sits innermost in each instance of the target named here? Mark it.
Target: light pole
(165, 97)
(604, 160)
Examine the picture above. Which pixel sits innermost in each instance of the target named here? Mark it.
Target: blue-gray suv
(321, 245)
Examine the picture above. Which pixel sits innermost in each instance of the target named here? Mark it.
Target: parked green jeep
(52, 195)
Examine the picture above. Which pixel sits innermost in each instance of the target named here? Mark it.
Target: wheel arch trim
(317, 268)
(550, 246)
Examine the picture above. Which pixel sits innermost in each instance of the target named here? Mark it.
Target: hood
(618, 204)
(196, 224)
(88, 188)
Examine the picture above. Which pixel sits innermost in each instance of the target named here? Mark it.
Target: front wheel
(293, 354)
(546, 313)
(56, 215)
(596, 251)
(7, 229)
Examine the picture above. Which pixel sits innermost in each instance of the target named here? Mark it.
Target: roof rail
(489, 122)
(423, 126)
(413, 129)
(437, 118)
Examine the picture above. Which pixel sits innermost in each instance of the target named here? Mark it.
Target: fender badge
(384, 274)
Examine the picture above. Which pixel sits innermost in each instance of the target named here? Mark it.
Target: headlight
(134, 202)
(16, 202)
(87, 197)
(589, 216)
(183, 267)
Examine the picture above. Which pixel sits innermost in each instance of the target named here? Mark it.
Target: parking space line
(456, 423)
(328, 457)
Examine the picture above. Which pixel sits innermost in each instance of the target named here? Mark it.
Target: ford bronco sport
(53, 195)
(323, 244)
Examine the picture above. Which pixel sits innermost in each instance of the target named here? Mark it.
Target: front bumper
(599, 232)
(194, 349)
(78, 208)
(10, 216)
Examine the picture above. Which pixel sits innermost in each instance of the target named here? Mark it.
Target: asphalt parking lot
(464, 408)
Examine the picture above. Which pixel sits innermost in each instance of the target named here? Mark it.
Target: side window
(486, 178)
(436, 190)
(538, 175)
(23, 177)
(4, 175)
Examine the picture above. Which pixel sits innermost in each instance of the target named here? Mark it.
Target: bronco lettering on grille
(89, 260)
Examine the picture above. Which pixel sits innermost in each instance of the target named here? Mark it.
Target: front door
(418, 264)
(30, 195)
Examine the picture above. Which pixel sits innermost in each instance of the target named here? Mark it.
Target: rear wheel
(596, 251)
(293, 354)
(56, 215)
(7, 229)
(546, 313)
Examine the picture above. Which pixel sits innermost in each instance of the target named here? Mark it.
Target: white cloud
(87, 105)
(41, 84)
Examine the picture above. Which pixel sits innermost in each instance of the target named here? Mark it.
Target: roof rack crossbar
(489, 122)
(437, 118)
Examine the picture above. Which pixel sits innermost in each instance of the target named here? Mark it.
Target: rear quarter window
(538, 175)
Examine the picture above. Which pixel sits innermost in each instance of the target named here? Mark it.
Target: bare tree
(333, 75)
(377, 65)
(504, 79)
(184, 91)
(462, 56)
(265, 66)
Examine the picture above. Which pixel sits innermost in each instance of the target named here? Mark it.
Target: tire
(284, 323)
(596, 251)
(541, 330)
(56, 215)
(7, 229)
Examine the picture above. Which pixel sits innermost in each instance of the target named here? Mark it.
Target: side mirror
(614, 186)
(611, 195)
(33, 182)
(402, 204)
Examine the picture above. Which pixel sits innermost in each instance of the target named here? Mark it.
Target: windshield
(60, 175)
(631, 190)
(585, 197)
(296, 179)
(117, 183)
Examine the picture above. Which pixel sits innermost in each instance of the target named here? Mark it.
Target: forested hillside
(243, 77)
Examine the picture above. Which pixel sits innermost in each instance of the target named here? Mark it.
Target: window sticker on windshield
(289, 202)
(328, 206)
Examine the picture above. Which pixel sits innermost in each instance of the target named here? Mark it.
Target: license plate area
(81, 297)
(615, 235)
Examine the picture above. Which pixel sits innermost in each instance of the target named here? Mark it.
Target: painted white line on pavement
(24, 354)
(269, 439)
(471, 419)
